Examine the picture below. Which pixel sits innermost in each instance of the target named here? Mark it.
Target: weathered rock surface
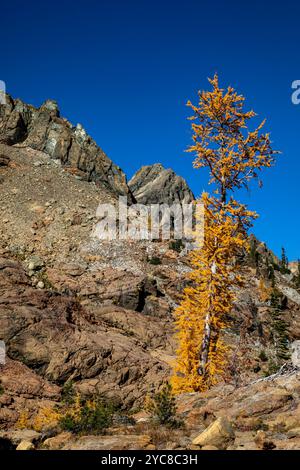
(58, 441)
(22, 390)
(43, 129)
(25, 445)
(295, 348)
(209, 447)
(106, 350)
(20, 435)
(119, 442)
(4, 160)
(290, 293)
(264, 414)
(154, 184)
(219, 434)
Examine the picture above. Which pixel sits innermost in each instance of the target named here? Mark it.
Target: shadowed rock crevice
(6, 444)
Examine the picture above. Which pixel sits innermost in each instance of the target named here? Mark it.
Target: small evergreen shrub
(162, 406)
(154, 260)
(176, 245)
(279, 327)
(262, 356)
(272, 369)
(68, 393)
(253, 254)
(284, 263)
(88, 416)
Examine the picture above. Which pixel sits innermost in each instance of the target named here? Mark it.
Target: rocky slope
(43, 129)
(99, 313)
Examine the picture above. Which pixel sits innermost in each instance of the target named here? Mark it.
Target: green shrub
(253, 253)
(262, 356)
(176, 245)
(279, 327)
(154, 260)
(162, 406)
(68, 393)
(88, 416)
(272, 369)
(284, 263)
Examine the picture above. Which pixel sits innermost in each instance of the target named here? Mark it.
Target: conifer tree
(284, 263)
(253, 253)
(297, 276)
(279, 329)
(233, 155)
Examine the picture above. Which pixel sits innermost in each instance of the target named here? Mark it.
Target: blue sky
(125, 69)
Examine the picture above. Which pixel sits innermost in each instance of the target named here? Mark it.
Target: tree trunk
(223, 195)
(204, 350)
(205, 345)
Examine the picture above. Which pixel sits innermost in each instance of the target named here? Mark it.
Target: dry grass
(161, 436)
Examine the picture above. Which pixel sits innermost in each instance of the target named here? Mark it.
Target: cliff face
(154, 184)
(43, 129)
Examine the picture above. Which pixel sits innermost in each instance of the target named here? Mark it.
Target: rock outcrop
(4, 160)
(219, 434)
(154, 184)
(121, 442)
(105, 350)
(295, 348)
(264, 414)
(25, 445)
(43, 129)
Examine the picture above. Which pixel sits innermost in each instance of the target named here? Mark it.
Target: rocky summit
(43, 129)
(95, 316)
(154, 184)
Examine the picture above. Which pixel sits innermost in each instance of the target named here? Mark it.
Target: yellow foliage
(233, 155)
(222, 141)
(208, 300)
(264, 291)
(24, 420)
(49, 417)
(76, 408)
(46, 418)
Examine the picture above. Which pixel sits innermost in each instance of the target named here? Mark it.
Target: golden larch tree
(234, 156)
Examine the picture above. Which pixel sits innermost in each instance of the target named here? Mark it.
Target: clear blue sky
(125, 69)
